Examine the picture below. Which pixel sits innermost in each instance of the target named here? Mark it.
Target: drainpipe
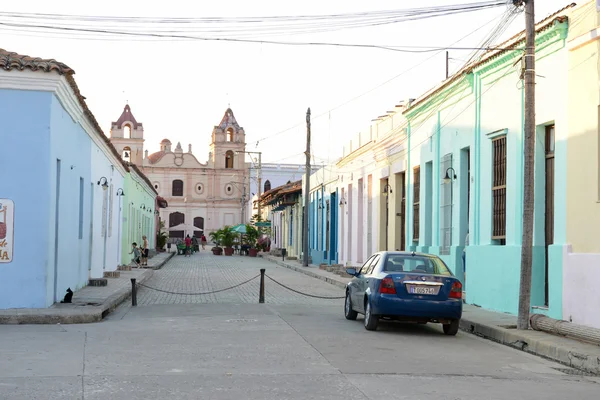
(542, 323)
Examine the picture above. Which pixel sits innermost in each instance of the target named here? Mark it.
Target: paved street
(226, 346)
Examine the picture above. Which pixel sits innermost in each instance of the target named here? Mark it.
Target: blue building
(61, 174)
(323, 217)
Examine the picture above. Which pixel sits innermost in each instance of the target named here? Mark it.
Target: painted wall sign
(7, 215)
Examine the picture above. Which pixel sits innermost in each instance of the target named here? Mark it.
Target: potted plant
(227, 239)
(252, 240)
(161, 238)
(216, 238)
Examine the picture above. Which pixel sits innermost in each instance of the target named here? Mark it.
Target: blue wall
(38, 131)
(25, 139)
(72, 145)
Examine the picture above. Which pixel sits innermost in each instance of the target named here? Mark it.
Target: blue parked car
(404, 286)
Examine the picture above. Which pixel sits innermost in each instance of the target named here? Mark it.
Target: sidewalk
(495, 326)
(90, 304)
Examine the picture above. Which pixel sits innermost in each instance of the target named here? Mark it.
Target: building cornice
(58, 85)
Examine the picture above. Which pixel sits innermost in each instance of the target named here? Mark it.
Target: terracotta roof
(279, 191)
(507, 45)
(127, 116)
(155, 157)
(228, 120)
(142, 175)
(162, 203)
(11, 60)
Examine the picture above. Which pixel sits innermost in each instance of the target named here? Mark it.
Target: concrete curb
(307, 271)
(80, 315)
(534, 342)
(159, 266)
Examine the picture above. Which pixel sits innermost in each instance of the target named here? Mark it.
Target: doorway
(400, 202)
(549, 206)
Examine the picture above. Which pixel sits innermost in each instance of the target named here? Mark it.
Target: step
(112, 274)
(98, 282)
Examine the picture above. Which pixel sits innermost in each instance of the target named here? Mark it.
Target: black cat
(68, 296)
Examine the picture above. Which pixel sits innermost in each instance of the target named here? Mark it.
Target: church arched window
(229, 159)
(177, 187)
(267, 185)
(127, 131)
(230, 135)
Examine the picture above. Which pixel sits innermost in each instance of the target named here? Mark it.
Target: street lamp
(104, 182)
(387, 190)
(447, 178)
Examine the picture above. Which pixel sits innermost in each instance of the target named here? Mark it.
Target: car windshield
(416, 264)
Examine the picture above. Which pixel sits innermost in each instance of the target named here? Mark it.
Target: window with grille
(446, 205)
(499, 188)
(416, 202)
(177, 187)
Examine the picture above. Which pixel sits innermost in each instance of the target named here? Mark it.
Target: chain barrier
(306, 294)
(198, 294)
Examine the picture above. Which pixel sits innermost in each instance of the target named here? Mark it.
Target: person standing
(188, 246)
(145, 251)
(203, 241)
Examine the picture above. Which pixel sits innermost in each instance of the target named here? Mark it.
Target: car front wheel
(371, 320)
(348, 311)
(451, 329)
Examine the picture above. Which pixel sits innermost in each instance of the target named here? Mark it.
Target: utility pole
(447, 64)
(528, 176)
(306, 192)
(259, 179)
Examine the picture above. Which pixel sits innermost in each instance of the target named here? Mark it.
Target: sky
(180, 89)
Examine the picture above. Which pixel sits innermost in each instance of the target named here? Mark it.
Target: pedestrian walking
(188, 246)
(203, 241)
(136, 254)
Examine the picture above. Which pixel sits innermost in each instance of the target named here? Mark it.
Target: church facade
(202, 197)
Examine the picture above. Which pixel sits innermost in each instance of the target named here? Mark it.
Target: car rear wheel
(348, 311)
(451, 329)
(371, 320)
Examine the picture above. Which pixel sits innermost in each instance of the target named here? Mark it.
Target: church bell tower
(127, 135)
(228, 143)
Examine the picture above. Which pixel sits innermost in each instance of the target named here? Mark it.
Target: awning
(162, 203)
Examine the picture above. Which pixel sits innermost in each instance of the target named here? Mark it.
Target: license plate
(431, 290)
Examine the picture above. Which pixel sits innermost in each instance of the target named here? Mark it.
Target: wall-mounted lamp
(104, 182)
(120, 192)
(156, 212)
(387, 189)
(447, 178)
(143, 206)
(343, 202)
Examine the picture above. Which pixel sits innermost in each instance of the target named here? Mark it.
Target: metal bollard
(261, 295)
(133, 293)
(283, 253)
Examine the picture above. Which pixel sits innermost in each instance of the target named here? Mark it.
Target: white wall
(581, 302)
(102, 167)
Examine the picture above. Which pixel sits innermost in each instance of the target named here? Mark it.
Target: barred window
(499, 188)
(416, 202)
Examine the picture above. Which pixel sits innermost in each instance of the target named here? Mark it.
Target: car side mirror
(351, 271)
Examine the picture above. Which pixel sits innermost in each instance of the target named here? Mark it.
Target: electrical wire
(380, 85)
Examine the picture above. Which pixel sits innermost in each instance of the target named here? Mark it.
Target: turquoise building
(465, 169)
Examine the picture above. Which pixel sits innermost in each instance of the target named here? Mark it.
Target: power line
(378, 86)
